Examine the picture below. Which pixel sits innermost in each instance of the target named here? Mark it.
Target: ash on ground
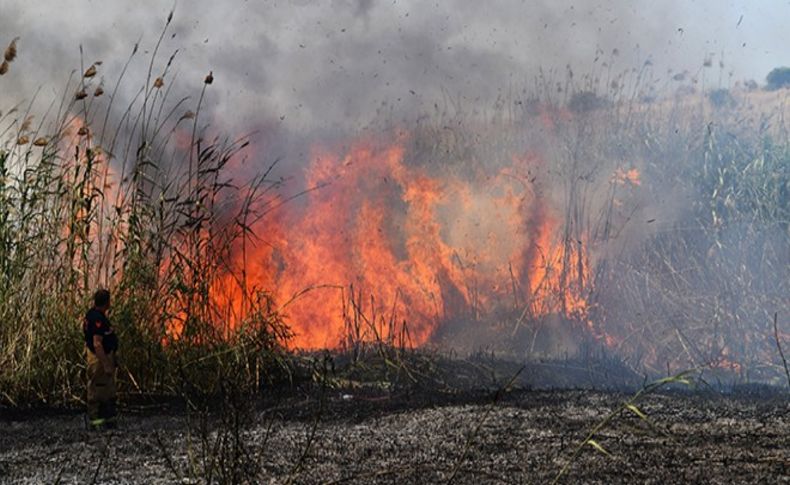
(376, 435)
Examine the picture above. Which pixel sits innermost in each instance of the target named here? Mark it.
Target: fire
(414, 243)
(630, 176)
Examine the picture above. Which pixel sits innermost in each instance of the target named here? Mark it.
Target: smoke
(303, 66)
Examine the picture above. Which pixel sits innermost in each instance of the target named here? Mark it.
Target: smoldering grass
(780, 349)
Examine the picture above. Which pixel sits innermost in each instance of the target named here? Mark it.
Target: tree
(778, 78)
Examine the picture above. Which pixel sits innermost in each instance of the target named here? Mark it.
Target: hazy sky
(334, 62)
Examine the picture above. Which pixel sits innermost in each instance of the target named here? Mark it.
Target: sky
(312, 65)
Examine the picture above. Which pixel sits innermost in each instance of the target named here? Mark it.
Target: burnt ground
(525, 436)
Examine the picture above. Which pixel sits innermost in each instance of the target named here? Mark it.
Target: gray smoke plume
(306, 65)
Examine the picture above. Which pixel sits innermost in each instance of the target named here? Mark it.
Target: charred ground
(476, 420)
(525, 437)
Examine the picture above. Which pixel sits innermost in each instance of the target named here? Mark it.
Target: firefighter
(101, 345)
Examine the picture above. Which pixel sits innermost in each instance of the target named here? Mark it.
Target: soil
(364, 436)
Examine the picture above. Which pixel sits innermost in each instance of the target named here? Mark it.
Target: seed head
(81, 94)
(41, 142)
(26, 124)
(99, 91)
(210, 78)
(159, 82)
(3, 68)
(83, 131)
(90, 72)
(22, 140)
(10, 52)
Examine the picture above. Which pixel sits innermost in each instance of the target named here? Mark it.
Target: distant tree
(778, 78)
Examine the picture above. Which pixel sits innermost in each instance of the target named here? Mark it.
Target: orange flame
(428, 246)
(630, 176)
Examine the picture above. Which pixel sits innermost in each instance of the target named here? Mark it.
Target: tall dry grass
(98, 192)
(688, 265)
(689, 258)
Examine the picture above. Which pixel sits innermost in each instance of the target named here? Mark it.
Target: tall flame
(427, 246)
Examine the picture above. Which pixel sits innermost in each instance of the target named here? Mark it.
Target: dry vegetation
(95, 193)
(689, 270)
(682, 202)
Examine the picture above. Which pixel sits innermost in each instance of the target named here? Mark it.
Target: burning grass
(653, 225)
(106, 197)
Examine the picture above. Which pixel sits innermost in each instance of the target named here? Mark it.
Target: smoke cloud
(301, 66)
